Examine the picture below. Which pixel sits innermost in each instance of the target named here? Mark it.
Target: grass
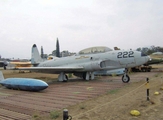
(112, 91)
(54, 114)
(70, 75)
(82, 107)
(156, 75)
(4, 94)
(113, 74)
(76, 92)
(36, 116)
(90, 88)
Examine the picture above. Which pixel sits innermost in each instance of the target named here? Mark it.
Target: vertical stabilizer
(35, 58)
(1, 76)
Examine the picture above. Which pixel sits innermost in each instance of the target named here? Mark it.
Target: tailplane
(1, 76)
(35, 58)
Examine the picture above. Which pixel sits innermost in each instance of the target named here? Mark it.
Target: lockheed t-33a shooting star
(84, 65)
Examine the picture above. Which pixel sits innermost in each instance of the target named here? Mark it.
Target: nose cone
(148, 58)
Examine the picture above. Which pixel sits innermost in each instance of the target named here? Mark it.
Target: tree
(150, 50)
(57, 49)
(138, 49)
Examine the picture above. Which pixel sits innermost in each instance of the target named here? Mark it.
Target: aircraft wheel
(125, 78)
(66, 78)
(84, 75)
(4, 67)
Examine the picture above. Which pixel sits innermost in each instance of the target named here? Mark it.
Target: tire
(84, 75)
(66, 78)
(125, 80)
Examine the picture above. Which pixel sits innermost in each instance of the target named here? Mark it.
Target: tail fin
(35, 58)
(1, 76)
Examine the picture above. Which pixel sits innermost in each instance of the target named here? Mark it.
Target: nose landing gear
(125, 77)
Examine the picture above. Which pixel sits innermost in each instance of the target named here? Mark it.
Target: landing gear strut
(62, 77)
(125, 77)
(88, 76)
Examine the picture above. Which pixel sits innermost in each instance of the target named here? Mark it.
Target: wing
(51, 69)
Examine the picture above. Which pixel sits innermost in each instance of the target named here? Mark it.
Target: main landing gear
(88, 76)
(85, 75)
(62, 77)
(125, 77)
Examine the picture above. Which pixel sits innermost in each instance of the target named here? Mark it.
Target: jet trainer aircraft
(84, 65)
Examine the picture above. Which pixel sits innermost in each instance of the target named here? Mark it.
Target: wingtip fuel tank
(26, 84)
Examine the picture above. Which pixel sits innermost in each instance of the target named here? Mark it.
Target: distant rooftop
(94, 50)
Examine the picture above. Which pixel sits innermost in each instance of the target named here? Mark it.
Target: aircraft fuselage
(100, 61)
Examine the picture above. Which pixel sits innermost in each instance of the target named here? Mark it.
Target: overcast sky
(78, 24)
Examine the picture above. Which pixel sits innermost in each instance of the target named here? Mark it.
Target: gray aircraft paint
(85, 65)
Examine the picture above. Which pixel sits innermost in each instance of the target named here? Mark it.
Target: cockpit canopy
(94, 50)
(143, 54)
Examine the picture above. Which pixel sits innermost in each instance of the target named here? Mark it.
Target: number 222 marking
(125, 54)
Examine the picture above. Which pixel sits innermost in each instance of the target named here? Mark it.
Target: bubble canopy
(94, 50)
